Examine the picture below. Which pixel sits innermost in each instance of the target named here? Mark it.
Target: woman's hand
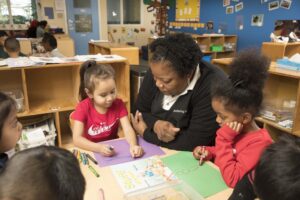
(165, 130)
(136, 151)
(236, 126)
(138, 123)
(106, 150)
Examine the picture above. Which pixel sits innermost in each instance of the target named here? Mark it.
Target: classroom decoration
(263, 1)
(205, 179)
(239, 21)
(239, 7)
(257, 20)
(121, 148)
(142, 174)
(273, 5)
(188, 10)
(229, 10)
(226, 3)
(161, 14)
(286, 4)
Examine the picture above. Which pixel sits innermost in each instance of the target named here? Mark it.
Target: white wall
(125, 33)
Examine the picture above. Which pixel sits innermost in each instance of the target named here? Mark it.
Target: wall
(59, 20)
(250, 36)
(126, 33)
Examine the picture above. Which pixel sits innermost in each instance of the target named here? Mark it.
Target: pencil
(93, 171)
(91, 158)
(201, 156)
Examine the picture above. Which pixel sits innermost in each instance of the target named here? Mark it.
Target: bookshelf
(275, 50)
(281, 85)
(53, 90)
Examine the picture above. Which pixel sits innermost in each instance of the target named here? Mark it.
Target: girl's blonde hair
(90, 73)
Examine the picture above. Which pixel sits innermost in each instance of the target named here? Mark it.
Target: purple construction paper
(122, 155)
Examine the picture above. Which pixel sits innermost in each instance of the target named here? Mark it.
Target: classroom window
(124, 12)
(17, 11)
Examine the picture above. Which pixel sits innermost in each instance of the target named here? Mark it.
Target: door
(83, 23)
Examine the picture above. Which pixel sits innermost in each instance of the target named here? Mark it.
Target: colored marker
(85, 159)
(82, 158)
(110, 147)
(201, 156)
(93, 171)
(91, 158)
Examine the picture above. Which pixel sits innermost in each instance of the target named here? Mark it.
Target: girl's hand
(136, 151)
(236, 126)
(106, 150)
(200, 152)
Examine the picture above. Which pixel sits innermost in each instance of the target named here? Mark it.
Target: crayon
(82, 158)
(85, 159)
(91, 158)
(93, 171)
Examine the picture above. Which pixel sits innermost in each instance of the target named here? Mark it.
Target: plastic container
(216, 48)
(17, 95)
(174, 191)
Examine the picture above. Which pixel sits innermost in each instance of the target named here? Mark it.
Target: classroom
(150, 99)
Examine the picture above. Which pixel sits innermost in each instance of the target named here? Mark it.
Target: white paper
(59, 5)
(19, 62)
(36, 135)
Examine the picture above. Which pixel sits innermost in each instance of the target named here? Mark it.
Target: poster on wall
(188, 10)
(83, 23)
(226, 3)
(273, 5)
(229, 10)
(286, 4)
(239, 7)
(257, 20)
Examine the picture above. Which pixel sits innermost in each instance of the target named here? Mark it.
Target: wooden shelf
(274, 124)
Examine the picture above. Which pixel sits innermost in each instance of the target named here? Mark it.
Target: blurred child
(40, 30)
(237, 100)
(3, 36)
(277, 175)
(12, 47)
(44, 172)
(10, 128)
(97, 116)
(50, 45)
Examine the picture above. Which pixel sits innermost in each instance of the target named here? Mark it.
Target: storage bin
(216, 48)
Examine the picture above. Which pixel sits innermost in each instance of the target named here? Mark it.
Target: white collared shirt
(168, 100)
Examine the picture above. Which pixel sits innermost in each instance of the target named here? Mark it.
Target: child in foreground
(44, 172)
(237, 101)
(10, 128)
(98, 115)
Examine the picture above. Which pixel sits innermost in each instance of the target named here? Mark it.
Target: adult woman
(174, 104)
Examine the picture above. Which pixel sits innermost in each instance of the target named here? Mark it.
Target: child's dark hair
(3, 33)
(90, 73)
(277, 174)
(50, 39)
(11, 44)
(43, 23)
(243, 90)
(7, 104)
(180, 50)
(44, 172)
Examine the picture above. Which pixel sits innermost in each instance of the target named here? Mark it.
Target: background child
(10, 128)
(277, 174)
(12, 47)
(50, 45)
(237, 100)
(3, 36)
(97, 116)
(44, 172)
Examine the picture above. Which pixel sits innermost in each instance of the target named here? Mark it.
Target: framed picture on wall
(273, 5)
(226, 3)
(257, 20)
(229, 9)
(285, 4)
(239, 7)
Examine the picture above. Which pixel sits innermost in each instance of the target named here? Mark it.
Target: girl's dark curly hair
(243, 90)
(179, 49)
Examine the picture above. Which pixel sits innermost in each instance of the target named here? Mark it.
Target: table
(111, 189)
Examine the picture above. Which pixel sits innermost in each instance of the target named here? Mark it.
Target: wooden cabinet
(53, 89)
(126, 51)
(280, 86)
(227, 44)
(275, 50)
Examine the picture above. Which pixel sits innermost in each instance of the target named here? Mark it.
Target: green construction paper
(205, 179)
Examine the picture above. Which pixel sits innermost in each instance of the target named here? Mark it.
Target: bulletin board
(188, 10)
